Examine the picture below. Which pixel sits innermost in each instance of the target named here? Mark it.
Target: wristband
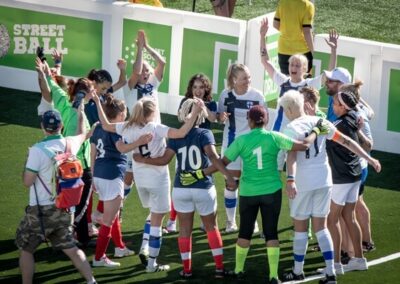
(290, 177)
(57, 62)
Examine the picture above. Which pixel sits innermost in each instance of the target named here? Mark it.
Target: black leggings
(81, 227)
(270, 208)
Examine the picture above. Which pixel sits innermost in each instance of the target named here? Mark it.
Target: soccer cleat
(118, 252)
(329, 279)
(231, 227)
(144, 257)
(338, 269)
(290, 276)
(356, 263)
(220, 273)
(368, 247)
(171, 226)
(105, 262)
(238, 276)
(275, 281)
(157, 268)
(185, 275)
(344, 257)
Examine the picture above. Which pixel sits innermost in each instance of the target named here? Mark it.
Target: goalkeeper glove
(321, 128)
(190, 177)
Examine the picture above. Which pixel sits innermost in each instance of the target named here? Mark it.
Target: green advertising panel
(208, 53)
(342, 61)
(393, 119)
(22, 31)
(159, 38)
(271, 90)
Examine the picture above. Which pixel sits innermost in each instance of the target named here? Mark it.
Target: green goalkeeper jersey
(259, 149)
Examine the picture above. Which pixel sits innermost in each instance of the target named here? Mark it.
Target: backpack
(68, 176)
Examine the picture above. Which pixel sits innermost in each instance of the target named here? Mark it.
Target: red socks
(116, 234)
(215, 243)
(185, 248)
(102, 241)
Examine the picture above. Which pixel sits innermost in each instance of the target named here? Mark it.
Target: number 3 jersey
(147, 175)
(312, 170)
(109, 163)
(191, 156)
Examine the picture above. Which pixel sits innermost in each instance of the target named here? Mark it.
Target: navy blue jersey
(91, 111)
(110, 163)
(191, 156)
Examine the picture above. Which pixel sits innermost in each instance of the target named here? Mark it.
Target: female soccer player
(233, 107)
(310, 197)
(108, 168)
(152, 182)
(260, 184)
(194, 152)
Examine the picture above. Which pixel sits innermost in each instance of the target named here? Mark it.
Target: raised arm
(159, 70)
(107, 126)
(138, 64)
(121, 64)
(125, 148)
(57, 58)
(43, 85)
(333, 43)
(263, 48)
(350, 144)
(81, 129)
(159, 161)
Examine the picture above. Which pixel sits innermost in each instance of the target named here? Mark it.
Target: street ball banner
(22, 31)
(158, 37)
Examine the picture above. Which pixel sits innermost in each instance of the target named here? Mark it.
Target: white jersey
(237, 106)
(312, 170)
(147, 175)
(39, 163)
(149, 90)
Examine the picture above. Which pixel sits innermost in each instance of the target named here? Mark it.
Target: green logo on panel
(159, 38)
(22, 31)
(208, 53)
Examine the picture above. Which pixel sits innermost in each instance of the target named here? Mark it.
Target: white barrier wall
(96, 34)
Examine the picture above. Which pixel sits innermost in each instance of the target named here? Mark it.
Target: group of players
(251, 159)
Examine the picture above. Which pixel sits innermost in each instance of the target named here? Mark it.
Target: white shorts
(345, 193)
(235, 165)
(129, 162)
(158, 199)
(109, 189)
(187, 200)
(312, 203)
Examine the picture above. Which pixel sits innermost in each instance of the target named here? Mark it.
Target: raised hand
(141, 39)
(264, 27)
(57, 56)
(121, 64)
(333, 39)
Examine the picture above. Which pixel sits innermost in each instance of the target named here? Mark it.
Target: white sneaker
(256, 228)
(97, 217)
(157, 268)
(171, 226)
(338, 269)
(106, 262)
(356, 263)
(121, 252)
(231, 227)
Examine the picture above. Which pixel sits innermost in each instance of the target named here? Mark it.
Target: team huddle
(123, 142)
